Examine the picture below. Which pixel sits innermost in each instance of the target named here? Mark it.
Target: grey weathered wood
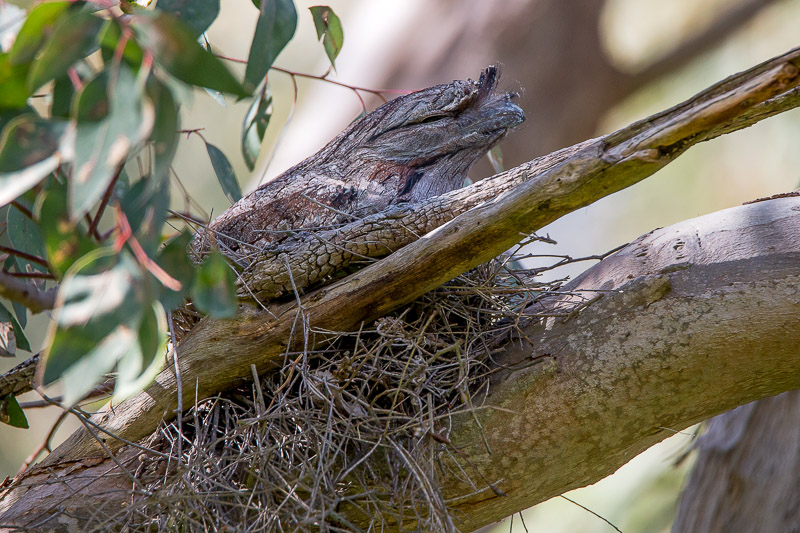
(577, 177)
(695, 319)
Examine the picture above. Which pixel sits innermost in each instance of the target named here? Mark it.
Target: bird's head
(438, 133)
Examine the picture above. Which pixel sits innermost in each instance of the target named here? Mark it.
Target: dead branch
(217, 355)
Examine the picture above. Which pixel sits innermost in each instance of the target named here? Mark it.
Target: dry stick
(219, 353)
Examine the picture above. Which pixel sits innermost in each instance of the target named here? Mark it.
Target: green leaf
(101, 303)
(224, 171)
(214, 290)
(12, 79)
(28, 153)
(109, 39)
(277, 22)
(174, 259)
(329, 29)
(37, 28)
(63, 92)
(73, 38)
(197, 14)
(255, 126)
(11, 413)
(25, 236)
(145, 206)
(64, 240)
(175, 48)
(145, 358)
(21, 341)
(164, 138)
(101, 146)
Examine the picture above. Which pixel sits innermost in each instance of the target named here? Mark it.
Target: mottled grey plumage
(413, 147)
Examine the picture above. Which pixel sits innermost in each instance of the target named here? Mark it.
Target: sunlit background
(760, 161)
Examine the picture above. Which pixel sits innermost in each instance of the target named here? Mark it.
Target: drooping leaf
(63, 93)
(224, 172)
(11, 413)
(37, 28)
(277, 22)
(74, 37)
(175, 48)
(329, 29)
(145, 358)
(197, 14)
(164, 139)
(64, 240)
(109, 39)
(25, 236)
(102, 146)
(255, 126)
(29, 151)
(145, 206)
(101, 303)
(20, 340)
(14, 94)
(214, 291)
(174, 259)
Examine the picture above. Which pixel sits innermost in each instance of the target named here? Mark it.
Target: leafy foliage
(329, 29)
(89, 126)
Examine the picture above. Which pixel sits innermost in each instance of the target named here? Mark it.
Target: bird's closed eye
(432, 118)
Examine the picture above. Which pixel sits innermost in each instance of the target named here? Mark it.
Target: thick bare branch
(614, 162)
(19, 290)
(694, 319)
(567, 180)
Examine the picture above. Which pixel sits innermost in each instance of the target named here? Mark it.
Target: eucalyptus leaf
(214, 290)
(29, 151)
(101, 303)
(277, 22)
(164, 138)
(14, 93)
(224, 172)
(175, 48)
(25, 236)
(329, 29)
(145, 358)
(63, 93)
(197, 14)
(35, 30)
(174, 259)
(74, 37)
(21, 341)
(255, 126)
(132, 54)
(146, 207)
(64, 240)
(11, 413)
(102, 146)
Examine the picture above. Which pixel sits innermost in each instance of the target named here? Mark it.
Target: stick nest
(353, 436)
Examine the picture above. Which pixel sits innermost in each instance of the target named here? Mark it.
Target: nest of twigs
(352, 436)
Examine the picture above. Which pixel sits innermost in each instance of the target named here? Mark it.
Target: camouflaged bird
(413, 147)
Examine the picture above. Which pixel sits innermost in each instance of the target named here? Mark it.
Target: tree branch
(673, 340)
(694, 320)
(27, 294)
(549, 188)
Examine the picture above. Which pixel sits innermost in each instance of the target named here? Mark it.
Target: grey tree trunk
(747, 471)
